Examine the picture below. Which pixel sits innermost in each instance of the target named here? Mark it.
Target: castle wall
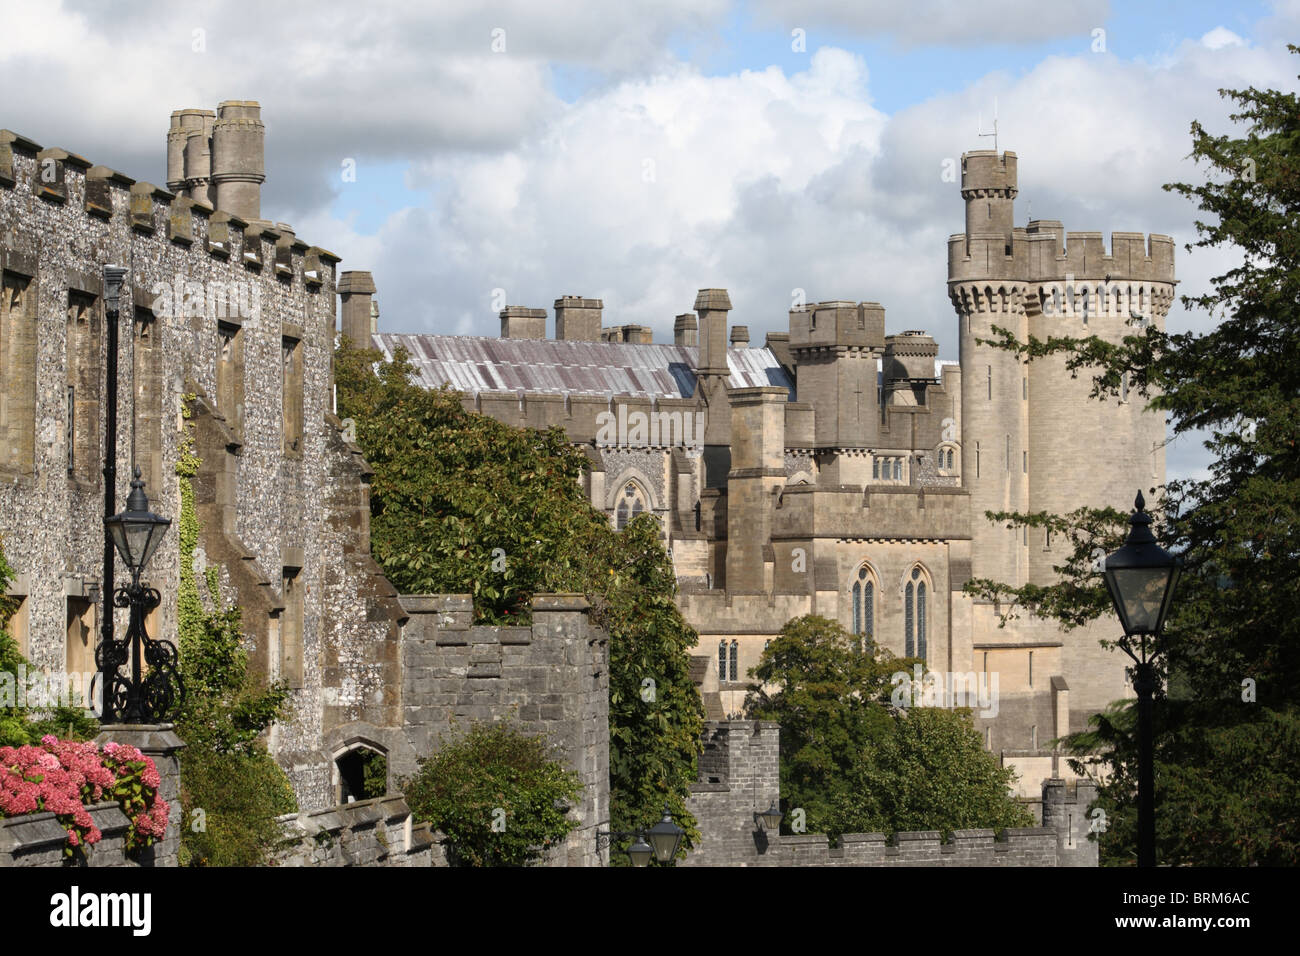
(551, 678)
(739, 776)
(280, 496)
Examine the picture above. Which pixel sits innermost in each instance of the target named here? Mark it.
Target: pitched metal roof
(474, 363)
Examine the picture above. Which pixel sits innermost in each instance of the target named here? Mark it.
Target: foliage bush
(853, 762)
(499, 794)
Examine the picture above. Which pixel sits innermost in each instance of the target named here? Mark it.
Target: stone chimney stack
(757, 470)
(238, 165)
(740, 336)
(189, 154)
(356, 288)
(578, 319)
(686, 329)
(518, 322)
(712, 305)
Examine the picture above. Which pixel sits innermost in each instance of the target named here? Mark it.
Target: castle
(835, 470)
(845, 472)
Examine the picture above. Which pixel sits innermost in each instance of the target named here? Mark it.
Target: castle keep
(842, 471)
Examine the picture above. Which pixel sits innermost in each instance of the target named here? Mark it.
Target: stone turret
(988, 184)
(835, 346)
(1065, 810)
(238, 164)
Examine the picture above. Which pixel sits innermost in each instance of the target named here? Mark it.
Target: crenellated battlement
(838, 325)
(60, 177)
(1044, 252)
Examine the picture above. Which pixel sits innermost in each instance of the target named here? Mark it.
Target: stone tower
(836, 345)
(238, 169)
(988, 288)
(1032, 438)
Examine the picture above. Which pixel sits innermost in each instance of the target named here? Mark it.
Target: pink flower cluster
(64, 777)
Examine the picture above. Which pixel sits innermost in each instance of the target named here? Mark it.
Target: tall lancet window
(914, 616)
(864, 609)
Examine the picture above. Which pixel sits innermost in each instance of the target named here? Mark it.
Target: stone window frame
(864, 592)
(618, 497)
(889, 469)
(948, 458)
(916, 590)
(351, 746)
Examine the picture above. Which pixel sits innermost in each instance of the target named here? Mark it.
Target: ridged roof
(474, 363)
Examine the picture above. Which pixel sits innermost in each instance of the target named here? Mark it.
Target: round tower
(238, 169)
(1085, 451)
(987, 286)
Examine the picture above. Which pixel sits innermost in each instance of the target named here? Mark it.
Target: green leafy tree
(830, 702)
(231, 787)
(851, 760)
(1228, 723)
(464, 504)
(930, 772)
(499, 794)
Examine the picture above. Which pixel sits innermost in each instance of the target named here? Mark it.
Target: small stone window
(362, 774)
(631, 504)
(291, 422)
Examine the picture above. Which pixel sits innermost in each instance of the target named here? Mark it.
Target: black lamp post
(140, 697)
(113, 276)
(135, 533)
(661, 841)
(1141, 577)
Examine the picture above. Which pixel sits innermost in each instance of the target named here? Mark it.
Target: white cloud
(1220, 37)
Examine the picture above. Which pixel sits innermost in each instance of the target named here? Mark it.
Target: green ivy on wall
(231, 787)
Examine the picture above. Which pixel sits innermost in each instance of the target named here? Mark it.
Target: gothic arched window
(914, 616)
(864, 608)
(735, 662)
(722, 661)
(630, 504)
